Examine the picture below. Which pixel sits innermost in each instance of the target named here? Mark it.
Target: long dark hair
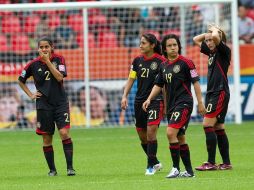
(47, 39)
(153, 40)
(164, 40)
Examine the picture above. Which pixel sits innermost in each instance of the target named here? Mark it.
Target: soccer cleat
(186, 174)
(157, 167)
(225, 167)
(71, 172)
(174, 173)
(52, 173)
(150, 171)
(206, 166)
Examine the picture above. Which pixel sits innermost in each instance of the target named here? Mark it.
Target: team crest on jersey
(210, 61)
(154, 66)
(55, 64)
(176, 68)
(39, 70)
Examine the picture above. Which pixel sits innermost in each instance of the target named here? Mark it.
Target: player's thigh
(155, 113)
(45, 122)
(179, 118)
(140, 116)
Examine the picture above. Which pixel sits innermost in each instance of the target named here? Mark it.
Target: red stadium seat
(10, 25)
(54, 21)
(107, 40)
(3, 43)
(91, 40)
(76, 22)
(20, 43)
(31, 23)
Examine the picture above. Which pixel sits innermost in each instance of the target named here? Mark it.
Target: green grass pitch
(112, 159)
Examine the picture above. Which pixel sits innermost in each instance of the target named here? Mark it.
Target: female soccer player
(176, 75)
(145, 68)
(213, 44)
(48, 71)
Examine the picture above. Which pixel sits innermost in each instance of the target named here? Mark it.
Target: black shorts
(47, 119)
(217, 105)
(179, 118)
(153, 115)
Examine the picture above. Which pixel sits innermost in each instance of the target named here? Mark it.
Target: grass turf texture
(112, 159)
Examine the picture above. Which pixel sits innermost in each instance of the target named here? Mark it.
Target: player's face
(209, 41)
(45, 47)
(146, 47)
(172, 48)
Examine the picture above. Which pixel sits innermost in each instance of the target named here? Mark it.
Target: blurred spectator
(245, 26)
(64, 35)
(22, 120)
(117, 27)
(42, 28)
(134, 28)
(246, 3)
(195, 25)
(152, 21)
(9, 102)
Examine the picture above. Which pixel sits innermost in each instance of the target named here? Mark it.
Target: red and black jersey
(218, 63)
(177, 77)
(146, 70)
(52, 90)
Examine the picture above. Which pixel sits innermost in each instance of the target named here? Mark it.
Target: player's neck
(173, 58)
(148, 55)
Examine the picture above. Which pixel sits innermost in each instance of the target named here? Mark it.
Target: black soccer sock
(175, 154)
(151, 153)
(144, 146)
(185, 156)
(223, 145)
(49, 155)
(68, 151)
(211, 143)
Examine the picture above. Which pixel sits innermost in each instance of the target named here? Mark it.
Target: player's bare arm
(53, 70)
(199, 39)
(201, 107)
(127, 88)
(33, 96)
(216, 33)
(155, 91)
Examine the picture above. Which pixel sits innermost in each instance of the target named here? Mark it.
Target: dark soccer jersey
(218, 63)
(146, 71)
(52, 90)
(177, 77)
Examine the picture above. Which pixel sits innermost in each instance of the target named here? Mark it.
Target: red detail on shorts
(208, 129)
(184, 119)
(157, 121)
(67, 141)
(40, 132)
(219, 106)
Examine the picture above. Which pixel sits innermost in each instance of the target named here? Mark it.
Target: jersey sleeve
(133, 70)
(192, 71)
(61, 67)
(26, 73)
(204, 49)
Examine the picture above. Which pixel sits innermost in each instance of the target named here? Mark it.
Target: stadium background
(113, 35)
